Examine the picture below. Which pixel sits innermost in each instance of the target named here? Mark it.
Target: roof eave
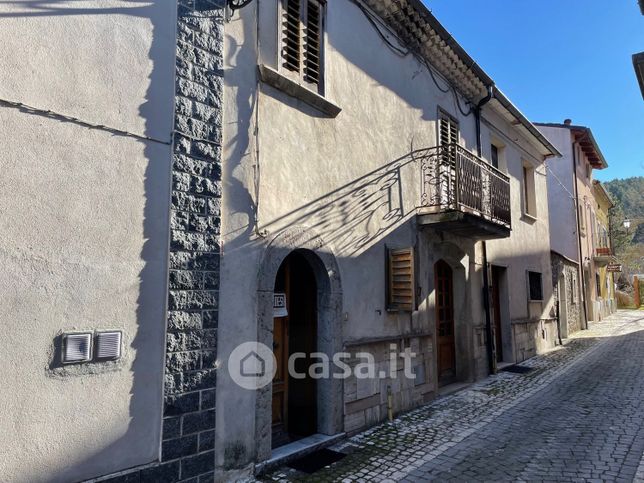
(551, 150)
(425, 15)
(638, 65)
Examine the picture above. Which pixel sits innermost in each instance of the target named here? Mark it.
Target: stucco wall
(351, 181)
(561, 195)
(84, 232)
(359, 193)
(528, 247)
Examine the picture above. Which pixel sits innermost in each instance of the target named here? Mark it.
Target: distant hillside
(628, 195)
(630, 192)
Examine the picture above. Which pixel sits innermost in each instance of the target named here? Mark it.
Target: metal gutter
(512, 109)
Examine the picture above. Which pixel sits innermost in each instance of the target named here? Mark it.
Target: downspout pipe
(577, 209)
(491, 359)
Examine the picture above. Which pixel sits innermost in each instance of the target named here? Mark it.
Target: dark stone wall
(187, 452)
(573, 290)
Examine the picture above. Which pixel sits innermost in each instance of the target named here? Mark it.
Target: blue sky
(558, 59)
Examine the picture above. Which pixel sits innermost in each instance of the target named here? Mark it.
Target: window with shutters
(401, 289)
(447, 129)
(535, 287)
(302, 41)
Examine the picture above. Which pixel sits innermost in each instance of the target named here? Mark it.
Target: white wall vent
(76, 348)
(108, 345)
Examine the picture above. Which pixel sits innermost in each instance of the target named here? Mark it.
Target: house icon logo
(252, 365)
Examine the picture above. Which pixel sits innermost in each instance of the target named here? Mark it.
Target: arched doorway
(306, 244)
(294, 406)
(445, 341)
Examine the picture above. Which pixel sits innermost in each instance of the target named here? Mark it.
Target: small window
(400, 280)
(573, 288)
(302, 40)
(528, 191)
(599, 285)
(494, 156)
(535, 287)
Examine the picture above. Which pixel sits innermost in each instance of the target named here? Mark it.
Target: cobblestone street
(576, 416)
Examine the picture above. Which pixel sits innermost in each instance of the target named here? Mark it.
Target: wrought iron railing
(454, 179)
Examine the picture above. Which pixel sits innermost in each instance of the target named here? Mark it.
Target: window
(400, 279)
(535, 287)
(529, 195)
(494, 155)
(447, 129)
(573, 288)
(302, 40)
(599, 285)
(582, 219)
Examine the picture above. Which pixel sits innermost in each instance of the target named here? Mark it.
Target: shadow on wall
(147, 365)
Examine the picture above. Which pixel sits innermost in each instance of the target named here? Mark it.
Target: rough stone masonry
(187, 452)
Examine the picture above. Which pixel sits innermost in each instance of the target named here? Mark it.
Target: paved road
(577, 416)
(587, 425)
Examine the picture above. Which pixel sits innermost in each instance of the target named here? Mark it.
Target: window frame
(300, 76)
(444, 114)
(528, 191)
(390, 304)
(529, 286)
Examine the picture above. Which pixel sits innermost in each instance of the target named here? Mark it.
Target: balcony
(603, 256)
(463, 194)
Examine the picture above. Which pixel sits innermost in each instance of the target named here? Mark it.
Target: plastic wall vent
(77, 348)
(108, 345)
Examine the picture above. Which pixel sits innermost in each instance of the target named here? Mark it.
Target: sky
(558, 59)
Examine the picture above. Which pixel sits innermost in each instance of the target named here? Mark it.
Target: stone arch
(329, 322)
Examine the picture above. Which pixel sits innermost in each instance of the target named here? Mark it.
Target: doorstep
(291, 451)
(452, 388)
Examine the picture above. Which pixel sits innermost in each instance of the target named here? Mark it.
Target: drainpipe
(491, 360)
(581, 262)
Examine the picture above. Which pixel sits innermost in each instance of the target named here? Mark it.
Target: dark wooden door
(445, 323)
(294, 401)
(496, 313)
(281, 351)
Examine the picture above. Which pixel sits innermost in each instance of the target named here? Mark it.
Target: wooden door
(445, 323)
(496, 314)
(281, 351)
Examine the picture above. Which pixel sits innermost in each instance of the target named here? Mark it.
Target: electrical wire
(375, 21)
(67, 118)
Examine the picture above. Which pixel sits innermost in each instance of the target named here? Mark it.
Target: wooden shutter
(313, 36)
(400, 283)
(291, 36)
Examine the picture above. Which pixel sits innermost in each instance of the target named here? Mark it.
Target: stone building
(319, 177)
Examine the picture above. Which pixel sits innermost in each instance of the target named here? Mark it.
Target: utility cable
(74, 120)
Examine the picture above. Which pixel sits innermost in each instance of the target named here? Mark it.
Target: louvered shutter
(291, 36)
(401, 280)
(312, 48)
